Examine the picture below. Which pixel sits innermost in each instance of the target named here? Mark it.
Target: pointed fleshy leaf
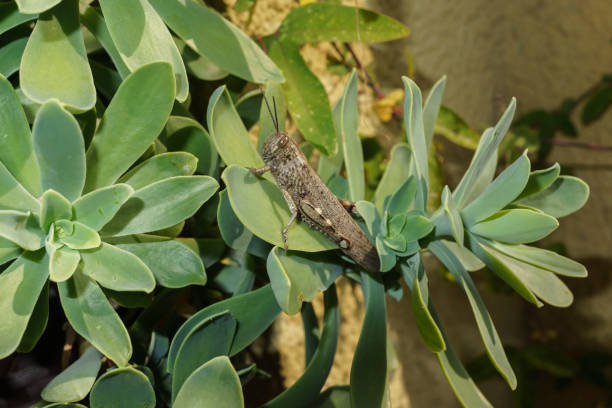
(296, 278)
(371, 217)
(386, 256)
(347, 121)
(35, 6)
(20, 287)
(268, 219)
(60, 150)
(10, 16)
(209, 339)
(505, 188)
(141, 37)
(16, 151)
(37, 323)
(10, 56)
(90, 315)
(416, 227)
(133, 119)
(160, 167)
(80, 236)
(566, 195)
(53, 207)
(98, 207)
(395, 175)
(214, 384)
(124, 387)
(467, 259)
(432, 108)
(54, 63)
(540, 180)
(74, 383)
(454, 218)
(63, 263)
(8, 250)
(13, 196)
(401, 200)
(173, 264)
(274, 94)
(22, 229)
(117, 269)
(187, 135)
(307, 100)
(516, 226)
(161, 205)
(211, 35)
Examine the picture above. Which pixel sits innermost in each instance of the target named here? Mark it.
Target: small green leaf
(98, 207)
(124, 387)
(268, 219)
(160, 167)
(296, 278)
(416, 227)
(90, 315)
(274, 94)
(187, 135)
(11, 17)
(395, 175)
(57, 44)
(74, 383)
(35, 6)
(212, 36)
(432, 108)
(318, 22)
(13, 196)
(10, 56)
(597, 104)
(540, 180)
(22, 229)
(454, 218)
(80, 236)
(141, 37)
(37, 323)
(451, 126)
(401, 200)
(62, 264)
(161, 205)
(516, 226)
(53, 207)
(210, 338)
(214, 384)
(20, 286)
(117, 269)
(566, 195)
(60, 150)
(133, 119)
(306, 97)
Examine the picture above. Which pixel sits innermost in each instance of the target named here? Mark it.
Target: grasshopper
(310, 199)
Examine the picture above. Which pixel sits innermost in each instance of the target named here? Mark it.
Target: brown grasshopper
(310, 199)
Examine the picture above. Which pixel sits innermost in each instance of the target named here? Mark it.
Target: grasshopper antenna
(275, 114)
(275, 123)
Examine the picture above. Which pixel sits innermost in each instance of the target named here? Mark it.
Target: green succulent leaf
(20, 286)
(117, 269)
(54, 63)
(63, 261)
(160, 167)
(133, 119)
(60, 150)
(468, 260)
(13, 196)
(37, 323)
(209, 339)
(318, 22)
(516, 226)
(273, 93)
(211, 36)
(79, 237)
(53, 207)
(22, 229)
(337, 396)
(10, 56)
(371, 217)
(124, 387)
(141, 37)
(296, 278)
(305, 389)
(73, 384)
(268, 219)
(386, 256)
(540, 180)
(187, 135)
(173, 263)
(401, 200)
(198, 65)
(431, 109)
(564, 196)
(454, 218)
(10, 16)
(98, 207)
(416, 227)
(395, 175)
(8, 250)
(90, 315)
(452, 127)
(214, 384)
(16, 151)
(35, 6)
(235, 280)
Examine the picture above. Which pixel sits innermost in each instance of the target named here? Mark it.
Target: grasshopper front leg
(260, 171)
(294, 213)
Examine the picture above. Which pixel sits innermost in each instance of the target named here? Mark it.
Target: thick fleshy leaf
(133, 119)
(60, 150)
(416, 227)
(35, 6)
(53, 207)
(318, 22)
(8, 250)
(505, 188)
(141, 37)
(13, 196)
(161, 205)
(16, 151)
(454, 218)
(159, 167)
(268, 219)
(10, 56)
(37, 323)
(210, 250)
(74, 383)
(98, 207)
(11, 17)
(54, 63)
(432, 108)
(540, 180)
(228, 132)
(490, 338)
(90, 315)
(401, 200)
(187, 135)
(124, 387)
(22, 229)
(369, 368)
(20, 286)
(395, 175)
(337, 396)
(516, 226)
(275, 96)
(305, 389)
(468, 260)
(306, 97)
(211, 35)
(209, 339)
(76, 235)
(117, 269)
(254, 312)
(566, 195)
(214, 384)
(63, 262)
(173, 264)
(386, 256)
(371, 217)
(198, 65)
(297, 278)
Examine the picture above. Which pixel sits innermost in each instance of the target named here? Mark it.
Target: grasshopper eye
(284, 139)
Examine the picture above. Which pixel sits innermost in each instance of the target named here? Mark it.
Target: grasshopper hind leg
(294, 214)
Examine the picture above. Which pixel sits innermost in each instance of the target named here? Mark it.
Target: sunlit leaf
(13, 196)
(124, 387)
(76, 235)
(566, 195)
(159, 167)
(98, 207)
(540, 180)
(347, 121)
(63, 262)
(35, 6)
(74, 383)
(516, 226)
(22, 229)
(432, 108)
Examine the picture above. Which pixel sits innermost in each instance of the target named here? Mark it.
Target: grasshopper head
(274, 145)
